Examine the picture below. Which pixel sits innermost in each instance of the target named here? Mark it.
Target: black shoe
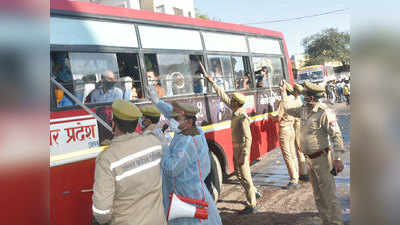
(258, 194)
(304, 178)
(249, 210)
(291, 186)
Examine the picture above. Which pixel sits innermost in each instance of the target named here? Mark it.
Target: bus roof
(82, 8)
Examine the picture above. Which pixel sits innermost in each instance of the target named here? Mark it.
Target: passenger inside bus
(126, 84)
(63, 100)
(107, 92)
(219, 77)
(198, 82)
(154, 80)
(62, 73)
(245, 81)
(129, 76)
(263, 78)
(62, 67)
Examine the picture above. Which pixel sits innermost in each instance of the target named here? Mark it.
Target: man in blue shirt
(107, 92)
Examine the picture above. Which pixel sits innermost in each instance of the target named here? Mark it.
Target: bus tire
(214, 180)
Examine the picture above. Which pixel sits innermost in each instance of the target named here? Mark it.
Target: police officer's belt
(319, 153)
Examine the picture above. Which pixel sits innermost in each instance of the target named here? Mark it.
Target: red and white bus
(144, 48)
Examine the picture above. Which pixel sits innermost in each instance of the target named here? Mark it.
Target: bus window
(198, 79)
(242, 79)
(91, 77)
(274, 69)
(173, 74)
(129, 73)
(61, 70)
(152, 74)
(95, 77)
(221, 71)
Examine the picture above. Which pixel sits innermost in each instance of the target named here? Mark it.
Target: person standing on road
(287, 139)
(181, 166)
(318, 123)
(127, 183)
(242, 139)
(298, 102)
(331, 92)
(346, 92)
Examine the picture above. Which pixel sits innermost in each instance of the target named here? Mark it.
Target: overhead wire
(298, 18)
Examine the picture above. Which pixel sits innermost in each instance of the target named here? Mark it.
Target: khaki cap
(239, 97)
(298, 88)
(184, 109)
(125, 110)
(150, 110)
(313, 88)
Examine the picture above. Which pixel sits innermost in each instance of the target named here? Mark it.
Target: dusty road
(280, 206)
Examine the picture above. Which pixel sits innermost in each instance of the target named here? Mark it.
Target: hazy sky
(253, 11)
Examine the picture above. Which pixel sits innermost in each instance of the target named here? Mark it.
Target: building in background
(174, 7)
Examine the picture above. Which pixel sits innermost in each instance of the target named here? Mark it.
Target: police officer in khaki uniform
(151, 117)
(318, 123)
(287, 139)
(298, 89)
(150, 123)
(127, 187)
(241, 138)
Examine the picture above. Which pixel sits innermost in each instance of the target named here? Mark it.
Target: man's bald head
(108, 75)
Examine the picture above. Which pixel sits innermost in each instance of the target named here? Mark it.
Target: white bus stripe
(134, 156)
(137, 170)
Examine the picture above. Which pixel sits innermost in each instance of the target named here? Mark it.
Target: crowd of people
(338, 91)
(137, 178)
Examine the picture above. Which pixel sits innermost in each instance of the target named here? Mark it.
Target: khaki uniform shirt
(240, 123)
(296, 104)
(127, 188)
(317, 125)
(286, 120)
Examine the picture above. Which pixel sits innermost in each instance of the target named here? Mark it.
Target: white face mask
(173, 125)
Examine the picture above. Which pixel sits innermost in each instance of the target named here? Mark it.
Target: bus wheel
(214, 180)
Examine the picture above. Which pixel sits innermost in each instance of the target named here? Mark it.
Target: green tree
(329, 45)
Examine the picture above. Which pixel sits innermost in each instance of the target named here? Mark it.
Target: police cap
(150, 110)
(125, 110)
(183, 109)
(298, 88)
(313, 89)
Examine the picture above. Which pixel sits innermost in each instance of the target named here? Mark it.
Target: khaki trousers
(286, 136)
(243, 174)
(324, 189)
(300, 155)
